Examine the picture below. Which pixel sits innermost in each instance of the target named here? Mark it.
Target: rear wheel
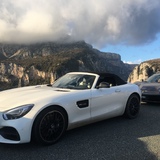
(49, 125)
(132, 107)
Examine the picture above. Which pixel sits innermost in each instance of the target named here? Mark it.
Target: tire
(132, 107)
(49, 126)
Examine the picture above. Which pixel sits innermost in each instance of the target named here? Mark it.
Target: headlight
(149, 89)
(143, 89)
(17, 112)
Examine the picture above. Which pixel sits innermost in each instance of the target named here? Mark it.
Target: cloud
(133, 62)
(97, 22)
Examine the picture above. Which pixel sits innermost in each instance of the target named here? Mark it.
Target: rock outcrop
(144, 70)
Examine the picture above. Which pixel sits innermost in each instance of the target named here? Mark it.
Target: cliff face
(16, 75)
(22, 65)
(144, 70)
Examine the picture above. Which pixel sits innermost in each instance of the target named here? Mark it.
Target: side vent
(83, 103)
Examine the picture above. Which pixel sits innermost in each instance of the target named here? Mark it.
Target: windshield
(75, 81)
(154, 78)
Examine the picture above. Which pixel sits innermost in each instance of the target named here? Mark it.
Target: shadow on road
(112, 139)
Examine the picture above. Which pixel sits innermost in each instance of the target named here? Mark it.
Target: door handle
(117, 90)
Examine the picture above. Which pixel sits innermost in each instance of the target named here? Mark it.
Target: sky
(129, 28)
(136, 54)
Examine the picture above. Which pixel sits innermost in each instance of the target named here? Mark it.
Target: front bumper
(150, 98)
(15, 131)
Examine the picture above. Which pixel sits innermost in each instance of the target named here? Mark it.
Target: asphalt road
(112, 139)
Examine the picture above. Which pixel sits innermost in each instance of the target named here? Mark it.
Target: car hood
(145, 84)
(28, 95)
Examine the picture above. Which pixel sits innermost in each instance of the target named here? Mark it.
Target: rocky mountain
(22, 65)
(144, 70)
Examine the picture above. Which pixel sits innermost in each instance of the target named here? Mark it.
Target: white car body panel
(105, 99)
(103, 103)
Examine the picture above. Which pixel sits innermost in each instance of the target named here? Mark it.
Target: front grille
(150, 98)
(9, 133)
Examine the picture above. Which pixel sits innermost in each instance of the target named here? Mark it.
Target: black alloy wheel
(49, 125)
(132, 107)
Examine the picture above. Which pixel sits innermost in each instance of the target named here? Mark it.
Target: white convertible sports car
(43, 113)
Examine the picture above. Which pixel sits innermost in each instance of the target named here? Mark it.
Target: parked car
(150, 88)
(43, 113)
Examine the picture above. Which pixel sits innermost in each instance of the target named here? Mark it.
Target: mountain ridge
(40, 63)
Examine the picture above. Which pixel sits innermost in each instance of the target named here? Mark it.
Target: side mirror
(103, 85)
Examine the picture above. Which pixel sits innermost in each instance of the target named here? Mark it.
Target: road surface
(112, 139)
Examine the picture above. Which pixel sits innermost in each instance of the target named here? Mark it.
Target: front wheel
(49, 126)
(132, 107)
